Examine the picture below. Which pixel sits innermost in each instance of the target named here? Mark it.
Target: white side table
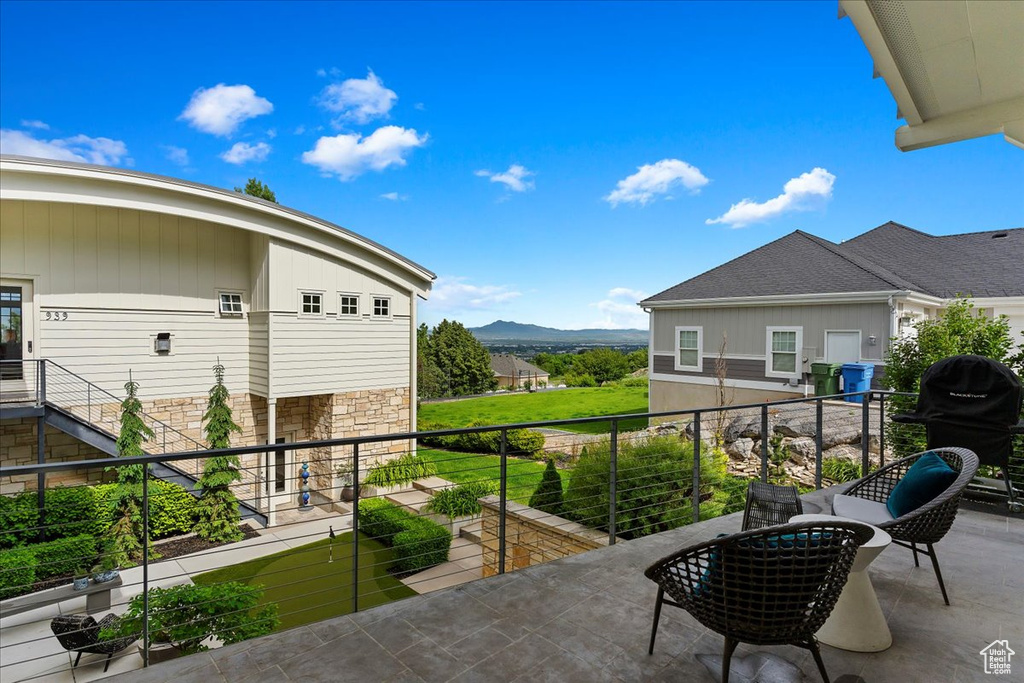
(857, 622)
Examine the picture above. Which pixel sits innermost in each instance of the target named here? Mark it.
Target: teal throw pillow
(926, 479)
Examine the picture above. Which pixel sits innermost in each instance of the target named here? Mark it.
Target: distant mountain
(504, 330)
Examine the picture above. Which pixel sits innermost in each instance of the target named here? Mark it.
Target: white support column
(271, 460)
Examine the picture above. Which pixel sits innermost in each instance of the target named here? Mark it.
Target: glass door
(16, 343)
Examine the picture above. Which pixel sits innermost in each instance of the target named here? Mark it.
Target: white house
(106, 271)
(802, 299)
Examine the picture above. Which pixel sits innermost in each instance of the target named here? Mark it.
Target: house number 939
(56, 315)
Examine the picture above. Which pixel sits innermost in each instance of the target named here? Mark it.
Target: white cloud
(322, 73)
(655, 179)
(455, 293)
(243, 152)
(33, 123)
(177, 155)
(359, 99)
(272, 133)
(516, 178)
(419, 106)
(299, 130)
(619, 310)
(81, 148)
(394, 196)
(220, 110)
(350, 155)
(803, 193)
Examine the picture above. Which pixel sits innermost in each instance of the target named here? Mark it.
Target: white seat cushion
(860, 509)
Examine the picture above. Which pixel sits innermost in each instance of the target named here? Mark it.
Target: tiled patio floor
(587, 618)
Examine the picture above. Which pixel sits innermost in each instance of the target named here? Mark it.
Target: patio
(588, 618)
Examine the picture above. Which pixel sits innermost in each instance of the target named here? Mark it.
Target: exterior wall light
(162, 343)
(872, 340)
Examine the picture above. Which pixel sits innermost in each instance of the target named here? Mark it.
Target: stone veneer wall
(531, 536)
(324, 416)
(18, 447)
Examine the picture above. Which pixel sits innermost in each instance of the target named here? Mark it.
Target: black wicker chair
(924, 526)
(81, 633)
(772, 586)
(768, 505)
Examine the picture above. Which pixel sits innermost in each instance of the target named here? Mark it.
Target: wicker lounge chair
(772, 586)
(768, 505)
(925, 526)
(81, 633)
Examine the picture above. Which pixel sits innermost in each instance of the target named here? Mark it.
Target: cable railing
(362, 521)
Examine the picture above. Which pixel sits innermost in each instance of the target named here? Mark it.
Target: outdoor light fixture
(872, 339)
(162, 343)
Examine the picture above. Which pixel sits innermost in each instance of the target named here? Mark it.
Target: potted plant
(344, 472)
(81, 579)
(182, 618)
(106, 568)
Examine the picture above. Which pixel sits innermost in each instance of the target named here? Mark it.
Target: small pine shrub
(548, 496)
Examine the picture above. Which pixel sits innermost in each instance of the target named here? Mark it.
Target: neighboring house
(514, 372)
(109, 271)
(802, 299)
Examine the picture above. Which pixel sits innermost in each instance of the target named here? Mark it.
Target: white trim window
(783, 346)
(348, 305)
(381, 307)
(230, 304)
(690, 348)
(311, 304)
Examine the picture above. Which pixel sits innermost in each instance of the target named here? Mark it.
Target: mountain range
(506, 330)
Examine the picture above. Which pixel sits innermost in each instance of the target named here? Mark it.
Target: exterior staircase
(81, 409)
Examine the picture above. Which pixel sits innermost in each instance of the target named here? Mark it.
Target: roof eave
(787, 299)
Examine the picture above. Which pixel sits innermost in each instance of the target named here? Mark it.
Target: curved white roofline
(32, 179)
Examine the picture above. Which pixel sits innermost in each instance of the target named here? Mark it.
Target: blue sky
(550, 162)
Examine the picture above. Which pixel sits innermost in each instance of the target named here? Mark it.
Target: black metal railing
(339, 542)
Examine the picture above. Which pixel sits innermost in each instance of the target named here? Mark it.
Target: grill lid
(969, 390)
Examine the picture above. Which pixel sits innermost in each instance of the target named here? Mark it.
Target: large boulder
(797, 425)
(843, 451)
(836, 435)
(747, 427)
(740, 449)
(801, 450)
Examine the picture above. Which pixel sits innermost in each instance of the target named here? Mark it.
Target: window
(348, 305)
(312, 303)
(381, 307)
(230, 303)
(689, 345)
(783, 352)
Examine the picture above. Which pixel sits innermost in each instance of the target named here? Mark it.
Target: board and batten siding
(259, 342)
(746, 326)
(122, 276)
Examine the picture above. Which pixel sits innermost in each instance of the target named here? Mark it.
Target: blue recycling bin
(856, 377)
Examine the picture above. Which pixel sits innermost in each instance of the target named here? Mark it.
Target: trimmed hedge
(64, 556)
(17, 570)
(517, 441)
(417, 543)
(76, 510)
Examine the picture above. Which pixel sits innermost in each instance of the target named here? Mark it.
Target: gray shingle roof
(890, 257)
(507, 365)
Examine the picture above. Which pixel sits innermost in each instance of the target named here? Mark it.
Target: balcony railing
(318, 559)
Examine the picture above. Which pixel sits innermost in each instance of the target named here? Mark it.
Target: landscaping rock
(797, 426)
(801, 450)
(740, 449)
(838, 435)
(843, 451)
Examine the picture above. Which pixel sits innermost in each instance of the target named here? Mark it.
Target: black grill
(971, 402)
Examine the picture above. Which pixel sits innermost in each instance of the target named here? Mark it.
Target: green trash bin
(826, 378)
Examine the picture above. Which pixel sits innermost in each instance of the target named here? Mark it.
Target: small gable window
(230, 304)
(381, 307)
(312, 303)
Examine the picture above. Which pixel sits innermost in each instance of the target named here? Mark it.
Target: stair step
(414, 500)
(433, 484)
(472, 532)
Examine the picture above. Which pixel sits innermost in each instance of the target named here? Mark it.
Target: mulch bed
(168, 549)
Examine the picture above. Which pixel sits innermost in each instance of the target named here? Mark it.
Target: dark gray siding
(736, 368)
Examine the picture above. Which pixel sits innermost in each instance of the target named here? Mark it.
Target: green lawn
(463, 468)
(308, 588)
(546, 405)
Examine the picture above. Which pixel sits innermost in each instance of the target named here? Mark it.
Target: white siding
(259, 371)
(122, 276)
